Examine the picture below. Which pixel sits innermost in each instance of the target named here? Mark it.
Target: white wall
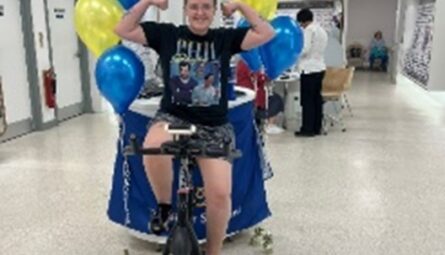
(174, 13)
(98, 102)
(437, 65)
(409, 23)
(345, 24)
(406, 21)
(12, 64)
(408, 14)
(42, 52)
(409, 9)
(365, 17)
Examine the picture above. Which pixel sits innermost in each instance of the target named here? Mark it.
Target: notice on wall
(2, 11)
(417, 59)
(59, 13)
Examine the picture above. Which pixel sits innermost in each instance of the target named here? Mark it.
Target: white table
(290, 109)
(249, 201)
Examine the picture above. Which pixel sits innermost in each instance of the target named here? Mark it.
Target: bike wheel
(180, 242)
(196, 249)
(166, 250)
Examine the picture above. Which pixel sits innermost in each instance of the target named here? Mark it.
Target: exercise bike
(182, 239)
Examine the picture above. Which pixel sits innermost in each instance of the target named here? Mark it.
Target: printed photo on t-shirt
(194, 81)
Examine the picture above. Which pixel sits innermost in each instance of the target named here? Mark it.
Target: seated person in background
(264, 109)
(378, 50)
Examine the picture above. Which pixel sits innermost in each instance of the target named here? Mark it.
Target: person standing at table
(194, 42)
(312, 67)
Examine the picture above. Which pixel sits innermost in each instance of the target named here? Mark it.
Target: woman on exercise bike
(184, 50)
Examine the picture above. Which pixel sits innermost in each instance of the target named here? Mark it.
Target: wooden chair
(335, 83)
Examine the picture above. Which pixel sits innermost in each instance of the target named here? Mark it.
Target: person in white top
(312, 67)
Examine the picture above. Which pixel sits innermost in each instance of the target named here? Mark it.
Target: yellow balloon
(266, 8)
(270, 9)
(95, 21)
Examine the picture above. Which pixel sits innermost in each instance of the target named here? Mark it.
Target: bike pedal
(158, 227)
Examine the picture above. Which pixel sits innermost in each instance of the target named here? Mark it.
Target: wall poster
(418, 57)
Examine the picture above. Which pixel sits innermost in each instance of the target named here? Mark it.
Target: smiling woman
(200, 15)
(195, 60)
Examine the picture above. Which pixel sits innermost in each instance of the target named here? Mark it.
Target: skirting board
(16, 129)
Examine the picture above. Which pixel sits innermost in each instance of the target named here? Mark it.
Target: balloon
(119, 76)
(251, 57)
(284, 49)
(95, 21)
(127, 4)
(266, 8)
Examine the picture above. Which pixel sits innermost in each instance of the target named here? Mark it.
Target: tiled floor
(379, 188)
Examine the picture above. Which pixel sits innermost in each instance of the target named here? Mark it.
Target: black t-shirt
(195, 70)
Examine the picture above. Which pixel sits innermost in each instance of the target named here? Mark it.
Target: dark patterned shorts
(211, 135)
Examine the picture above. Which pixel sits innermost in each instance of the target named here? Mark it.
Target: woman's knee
(156, 136)
(217, 176)
(218, 197)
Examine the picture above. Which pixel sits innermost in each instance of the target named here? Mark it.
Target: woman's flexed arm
(129, 29)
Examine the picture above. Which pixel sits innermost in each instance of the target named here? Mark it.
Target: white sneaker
(274, 130)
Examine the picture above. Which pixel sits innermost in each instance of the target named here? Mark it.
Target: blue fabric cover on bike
(248, 195)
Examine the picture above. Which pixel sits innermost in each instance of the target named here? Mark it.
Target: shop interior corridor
(375, 189)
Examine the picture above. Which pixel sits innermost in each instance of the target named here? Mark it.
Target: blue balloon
(251, 57)
(120, 77)
(127, 4)
(284, 49)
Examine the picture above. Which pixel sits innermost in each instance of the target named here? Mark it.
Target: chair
(335, 83)
(355, 54)
(348, 84)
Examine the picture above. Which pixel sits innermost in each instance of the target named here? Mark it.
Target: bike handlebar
(181, 149)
